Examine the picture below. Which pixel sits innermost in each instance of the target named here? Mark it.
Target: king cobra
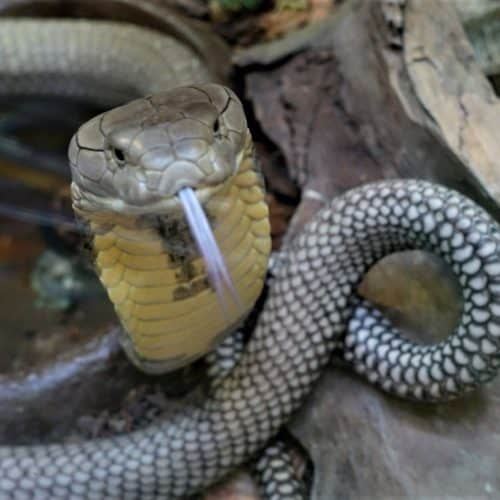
(129, 166)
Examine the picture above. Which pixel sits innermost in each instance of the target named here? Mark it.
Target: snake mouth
(134, 200)
(88, 202)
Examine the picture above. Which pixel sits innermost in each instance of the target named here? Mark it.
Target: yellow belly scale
(167, 307)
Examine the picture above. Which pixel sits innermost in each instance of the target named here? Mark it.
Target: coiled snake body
(309, 306)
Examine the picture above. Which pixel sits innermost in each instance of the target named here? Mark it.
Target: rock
(379, 90)
(417, 291)
(365, 444)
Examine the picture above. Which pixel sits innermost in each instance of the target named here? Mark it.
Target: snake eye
(118, 155)
(216, 127)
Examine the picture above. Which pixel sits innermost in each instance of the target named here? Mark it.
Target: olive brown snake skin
(306, 313)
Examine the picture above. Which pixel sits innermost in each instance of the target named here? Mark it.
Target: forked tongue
(218, 273)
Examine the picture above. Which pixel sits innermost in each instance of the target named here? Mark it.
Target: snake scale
(310, 307)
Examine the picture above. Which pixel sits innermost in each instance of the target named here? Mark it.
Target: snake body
(308, 312)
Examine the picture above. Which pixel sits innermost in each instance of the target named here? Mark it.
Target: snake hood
(135, 158)
(172, 196)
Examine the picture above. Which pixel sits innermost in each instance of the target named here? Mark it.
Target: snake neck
(158, 283)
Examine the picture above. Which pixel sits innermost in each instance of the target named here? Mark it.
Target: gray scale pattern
(107, 62)
(225, 356)
(467, 240)
(306, 313)
(276, 474)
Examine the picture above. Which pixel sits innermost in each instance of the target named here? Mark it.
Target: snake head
(135, 158)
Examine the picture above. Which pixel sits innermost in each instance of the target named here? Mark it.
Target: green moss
(239, 5)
